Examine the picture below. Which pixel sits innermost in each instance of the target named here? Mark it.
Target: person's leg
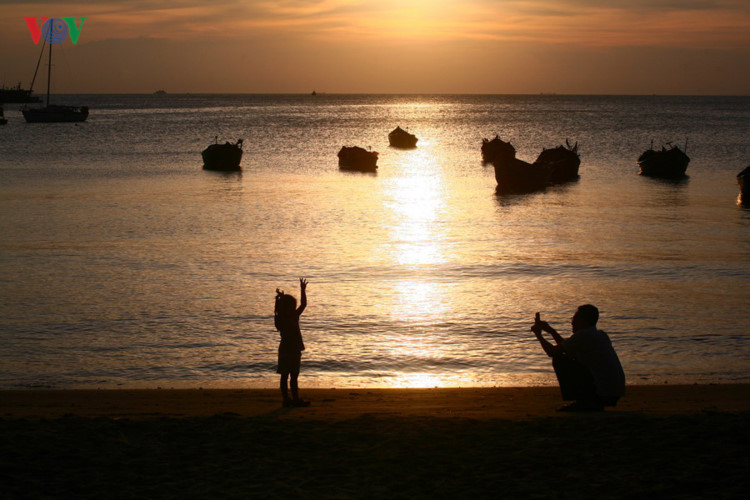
(284, 388)
(294, 385)
(576, 382)
(296, 400)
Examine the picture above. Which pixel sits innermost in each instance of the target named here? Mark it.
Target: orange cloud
(684, 23)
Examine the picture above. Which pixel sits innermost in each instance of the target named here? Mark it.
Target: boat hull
(356, 158)
(223, 157)
(517, 176)
(400, 138)
(552, 166)
(562, 163)
(55, 114)
(668, 163)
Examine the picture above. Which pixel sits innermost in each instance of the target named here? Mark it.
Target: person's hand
(539, 325)
(279, 293)
(302, 284)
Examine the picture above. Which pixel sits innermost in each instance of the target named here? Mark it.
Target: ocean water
(124, 264)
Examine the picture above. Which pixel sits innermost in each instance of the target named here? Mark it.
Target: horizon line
(553, 94)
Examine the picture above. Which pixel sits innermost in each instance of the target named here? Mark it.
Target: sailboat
(53, 113)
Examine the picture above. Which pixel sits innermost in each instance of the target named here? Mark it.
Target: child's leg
(283, 386)
(294, 385)
(296, 401)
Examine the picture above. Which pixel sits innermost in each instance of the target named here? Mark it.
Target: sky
(697, 47)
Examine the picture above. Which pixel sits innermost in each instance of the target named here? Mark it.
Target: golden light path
(416, 200)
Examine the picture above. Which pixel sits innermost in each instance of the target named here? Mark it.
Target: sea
(125, 264)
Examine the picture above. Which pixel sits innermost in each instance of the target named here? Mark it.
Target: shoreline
(338, 404)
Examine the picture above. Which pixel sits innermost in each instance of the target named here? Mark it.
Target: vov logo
(55, 30)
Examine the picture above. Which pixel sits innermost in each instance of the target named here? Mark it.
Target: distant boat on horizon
(160, 92)
(17, 94)
(53, 113)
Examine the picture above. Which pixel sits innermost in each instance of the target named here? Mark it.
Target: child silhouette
(286, 318)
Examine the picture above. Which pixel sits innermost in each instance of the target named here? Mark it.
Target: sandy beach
(688, 441)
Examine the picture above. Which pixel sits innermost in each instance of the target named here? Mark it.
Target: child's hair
(287, 304)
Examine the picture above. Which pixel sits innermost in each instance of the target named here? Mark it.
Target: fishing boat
(53, 113)
(562, 161)
(224, 157)
(512, 174)
(552, 166)
(670, 163)
(743, 180)
(400, 138)
(356, 158)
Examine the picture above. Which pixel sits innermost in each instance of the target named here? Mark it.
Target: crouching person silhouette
(286, 318)
(586, 364)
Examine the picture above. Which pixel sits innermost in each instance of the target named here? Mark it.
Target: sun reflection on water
(416, 203)
(419, 300)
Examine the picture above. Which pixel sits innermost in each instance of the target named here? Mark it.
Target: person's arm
(303, 296)
(550, 349)
(547, 328)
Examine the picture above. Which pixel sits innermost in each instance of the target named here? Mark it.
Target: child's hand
(302, 284)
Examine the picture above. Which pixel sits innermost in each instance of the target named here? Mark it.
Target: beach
(686, 441)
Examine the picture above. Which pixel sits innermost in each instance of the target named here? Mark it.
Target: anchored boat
(400, 138)
(356, 158)
(225, 157)
(53, 113)
(669, 163)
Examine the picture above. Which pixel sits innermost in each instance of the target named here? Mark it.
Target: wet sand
(672, 441)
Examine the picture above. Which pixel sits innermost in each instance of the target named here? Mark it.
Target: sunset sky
(390, 46)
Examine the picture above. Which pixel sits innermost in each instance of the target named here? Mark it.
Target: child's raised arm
(303, 295)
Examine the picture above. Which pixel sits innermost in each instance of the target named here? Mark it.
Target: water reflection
(419, 301)
(416, 205)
